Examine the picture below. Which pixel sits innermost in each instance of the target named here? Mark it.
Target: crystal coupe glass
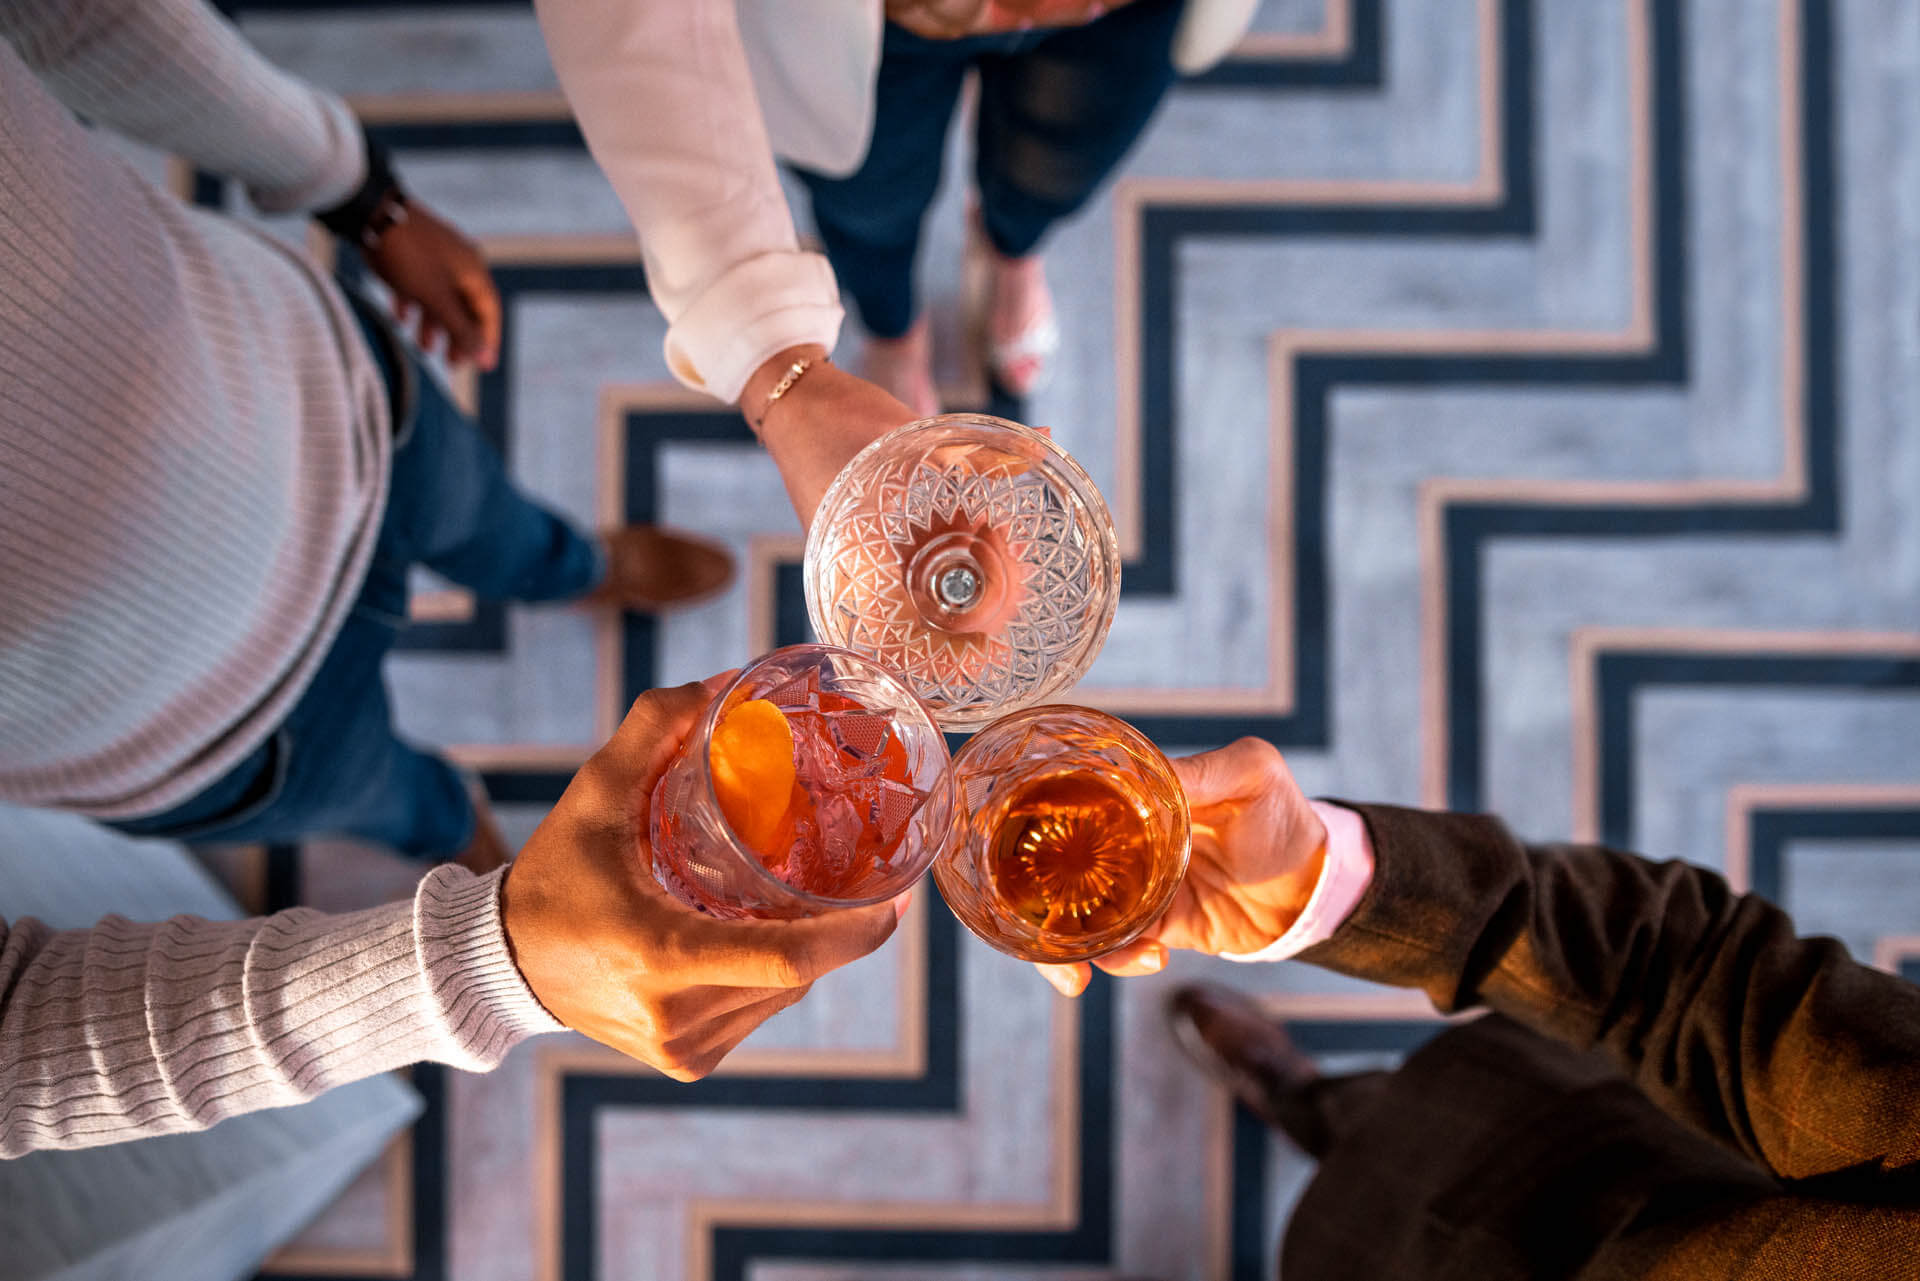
(816, 780)
(972, 556)
(1070, 838)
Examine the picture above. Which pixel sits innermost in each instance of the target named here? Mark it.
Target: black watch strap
(364, 217)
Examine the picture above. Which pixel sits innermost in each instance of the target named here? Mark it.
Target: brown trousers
(1756, 1114)
(1497, 1153)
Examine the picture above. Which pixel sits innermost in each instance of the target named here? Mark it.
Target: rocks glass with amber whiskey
(1071, 834)
(970, 555)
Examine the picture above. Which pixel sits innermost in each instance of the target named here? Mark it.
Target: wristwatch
(377, 207)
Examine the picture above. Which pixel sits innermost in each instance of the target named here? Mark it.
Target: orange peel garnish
(753, 773)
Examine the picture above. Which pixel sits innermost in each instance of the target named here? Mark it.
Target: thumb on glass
(1141, 957)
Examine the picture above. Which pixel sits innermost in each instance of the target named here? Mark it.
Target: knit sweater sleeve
(129, 1030)
(178, 76)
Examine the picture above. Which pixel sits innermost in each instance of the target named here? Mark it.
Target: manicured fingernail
(901, 904)
(1153, 962)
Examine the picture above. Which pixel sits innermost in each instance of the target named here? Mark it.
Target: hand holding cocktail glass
(609, 953)
(1258, 850)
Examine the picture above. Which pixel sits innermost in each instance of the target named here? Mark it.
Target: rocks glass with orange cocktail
(815, 780)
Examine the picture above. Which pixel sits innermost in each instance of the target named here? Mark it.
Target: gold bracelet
(787, 380)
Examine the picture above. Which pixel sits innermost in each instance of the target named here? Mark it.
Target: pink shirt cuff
(1344, 878)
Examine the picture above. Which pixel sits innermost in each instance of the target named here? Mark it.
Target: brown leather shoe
(650, 569)
(1227, 1034)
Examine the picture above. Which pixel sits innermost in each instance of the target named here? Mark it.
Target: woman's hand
(819, 424)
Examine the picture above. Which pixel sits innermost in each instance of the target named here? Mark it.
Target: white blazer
(815, 63)
(685, 103)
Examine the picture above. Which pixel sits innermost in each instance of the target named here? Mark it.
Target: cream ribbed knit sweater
(193, 438)
(193, 458)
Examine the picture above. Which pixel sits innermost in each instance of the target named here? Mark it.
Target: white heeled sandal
(1023, 364)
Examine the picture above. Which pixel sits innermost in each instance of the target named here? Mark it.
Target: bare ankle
(904, 367)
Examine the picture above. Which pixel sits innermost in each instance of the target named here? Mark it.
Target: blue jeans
(334, 765)
(1059, 107)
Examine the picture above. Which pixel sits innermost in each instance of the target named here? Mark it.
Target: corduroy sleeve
(1782, 1046)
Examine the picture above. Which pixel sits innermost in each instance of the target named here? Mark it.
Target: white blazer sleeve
(662, 92)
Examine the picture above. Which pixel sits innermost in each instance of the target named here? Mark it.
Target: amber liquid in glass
(1071, 853)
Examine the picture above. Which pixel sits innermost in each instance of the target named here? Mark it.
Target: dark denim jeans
(334, 765)
(1059, 107)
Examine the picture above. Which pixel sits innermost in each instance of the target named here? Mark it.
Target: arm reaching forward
(124, 1030)
(176, 75)
(128, 1030)
(1782, 1046)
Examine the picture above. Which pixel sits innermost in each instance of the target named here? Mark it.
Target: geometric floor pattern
(1506, 404)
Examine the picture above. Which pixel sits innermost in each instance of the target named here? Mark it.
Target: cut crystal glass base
(970, 555)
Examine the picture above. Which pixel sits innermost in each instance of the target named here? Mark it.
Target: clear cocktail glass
(972, 556)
